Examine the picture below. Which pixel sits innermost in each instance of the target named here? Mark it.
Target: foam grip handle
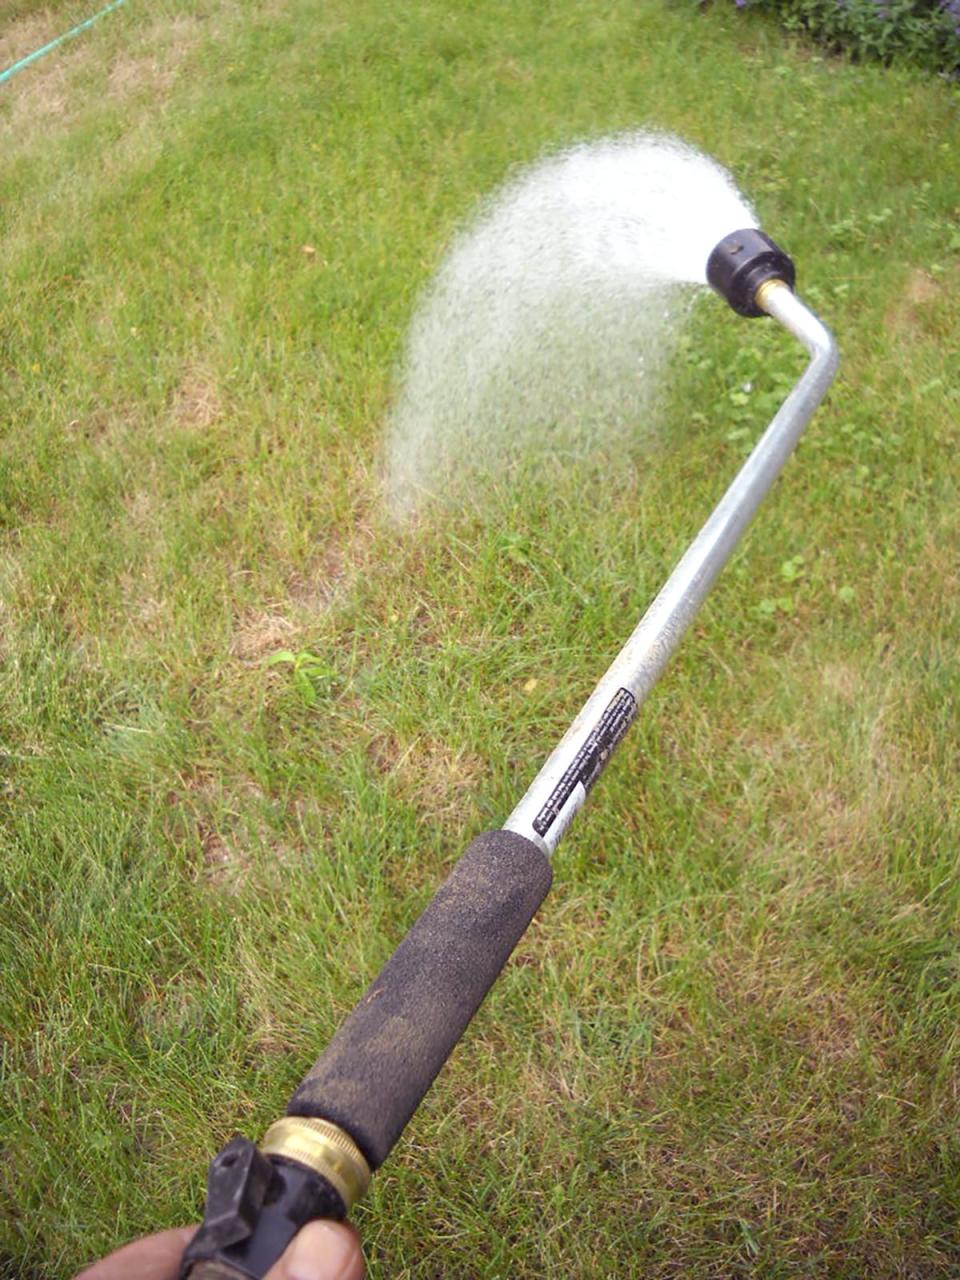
(387, 1053)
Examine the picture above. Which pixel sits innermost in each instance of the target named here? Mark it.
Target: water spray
(353, 1104)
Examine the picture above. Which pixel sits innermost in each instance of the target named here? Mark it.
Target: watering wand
(353, 1104)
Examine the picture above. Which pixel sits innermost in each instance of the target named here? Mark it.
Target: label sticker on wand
(588, 764)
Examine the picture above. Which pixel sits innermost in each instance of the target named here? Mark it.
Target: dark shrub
(924, 32)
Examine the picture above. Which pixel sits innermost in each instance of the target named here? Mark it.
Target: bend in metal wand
(561, 786)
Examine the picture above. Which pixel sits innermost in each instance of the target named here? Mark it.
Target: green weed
(309, 672)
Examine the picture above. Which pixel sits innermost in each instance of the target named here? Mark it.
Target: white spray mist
(548, 322)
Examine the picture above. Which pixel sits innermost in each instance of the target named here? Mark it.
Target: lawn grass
(729, 1044)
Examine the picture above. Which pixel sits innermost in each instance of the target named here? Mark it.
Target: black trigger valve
(256, 1204)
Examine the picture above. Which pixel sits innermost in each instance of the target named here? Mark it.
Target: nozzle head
(741, 263)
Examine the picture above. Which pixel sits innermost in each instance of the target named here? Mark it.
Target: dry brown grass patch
(26, 34)
(48, 90)
(196, 401)
(842, 679)
(257, 635)
(434, 776)
(156, 70)
(908, 312)
(39, 99)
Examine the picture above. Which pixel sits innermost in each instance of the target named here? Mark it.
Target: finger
(154, 1257)
(321, 1251)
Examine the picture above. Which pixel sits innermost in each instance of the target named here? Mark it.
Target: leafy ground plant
(308, 671)
(728, 1046)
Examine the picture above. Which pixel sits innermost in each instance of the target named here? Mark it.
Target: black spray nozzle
(741, 263)
(256, 1204)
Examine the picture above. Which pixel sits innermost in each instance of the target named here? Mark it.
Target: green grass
(729, 1045)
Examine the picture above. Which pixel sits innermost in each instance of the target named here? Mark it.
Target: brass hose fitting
(324, 1148)
(766, 290)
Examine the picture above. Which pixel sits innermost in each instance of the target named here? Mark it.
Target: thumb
(321, 1251)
